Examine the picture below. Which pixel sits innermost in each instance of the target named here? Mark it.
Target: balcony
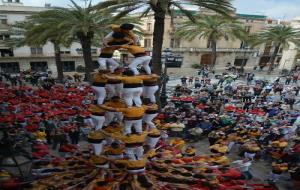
(207, 50)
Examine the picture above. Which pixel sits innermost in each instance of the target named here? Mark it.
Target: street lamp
(14, 158)
(166, 54)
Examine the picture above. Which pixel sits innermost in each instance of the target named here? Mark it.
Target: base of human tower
(127, 152)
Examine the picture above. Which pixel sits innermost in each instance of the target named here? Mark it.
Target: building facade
(14, 60)
(291, 56)
(198, 51)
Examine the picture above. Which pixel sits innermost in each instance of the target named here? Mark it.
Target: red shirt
(231, 173)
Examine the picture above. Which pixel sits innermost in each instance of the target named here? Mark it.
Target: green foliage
(279, 35)
(124, 7)
(80, 69)
(196, 66)
(213, 28)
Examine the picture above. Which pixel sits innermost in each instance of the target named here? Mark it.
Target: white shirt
(241, 165)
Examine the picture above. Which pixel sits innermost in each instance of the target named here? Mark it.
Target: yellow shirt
(190, 151)
(99, 78)
(129, 33)
(116, 104)
(153, 109)
(132, 112)
(131, 139)
(219, 148)
(114, 81)
(134, 50)
(222, 160)
(150, 81)
(133, 164)
(40, 135)
(96, 110)
(179, 144)
(111, 129)
(115, 151)
(96, 135)
(131, 79)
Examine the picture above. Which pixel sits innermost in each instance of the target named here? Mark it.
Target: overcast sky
(280, 9)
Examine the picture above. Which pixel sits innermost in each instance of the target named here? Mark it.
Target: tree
(161, 8)
(213, 28)
(280, 36)
(39, 29)
(84, 24)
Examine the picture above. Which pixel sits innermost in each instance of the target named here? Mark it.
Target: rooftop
(12, 8)
(248, 16)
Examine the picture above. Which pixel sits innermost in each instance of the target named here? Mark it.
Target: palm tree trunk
(86, 43)
(273, 57)
(158, 35)
(59, 65)
(213, 53)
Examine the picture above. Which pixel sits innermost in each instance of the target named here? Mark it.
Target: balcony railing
(200, 50)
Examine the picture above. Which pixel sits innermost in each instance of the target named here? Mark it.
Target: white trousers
(151, 142)
(144, 61)
(137, 124)
(88, 121)
(98, 121)
(112, 64)
(249, 155)
(148, 120)
(98, 147)
(114, 90)
(149, 92)
(116, 157)
(134, 153)
(111, 116)
(100, 94)
(136, 171)
(131, 95)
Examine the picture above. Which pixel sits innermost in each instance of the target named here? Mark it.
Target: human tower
(123, 127)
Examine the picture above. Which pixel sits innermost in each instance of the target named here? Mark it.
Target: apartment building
(14, 60)
(198, 51)
(291, 56)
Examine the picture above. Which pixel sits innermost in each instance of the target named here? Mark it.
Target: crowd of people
(112, 135)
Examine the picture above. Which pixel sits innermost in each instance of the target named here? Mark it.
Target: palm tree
(84, 24)
(161, 8)
(280, 36)
(39, 29)
(213, 28)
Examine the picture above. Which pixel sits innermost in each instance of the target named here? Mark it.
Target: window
(149, 27)
(39, 66)
(10, 67)
(3, 21)
(36, 50)
(240, 62)
(6, 52)
(4, 36)
(243, 45)
(209, 44)
(68, 66)
(147, 43)
(65, 52)
(172, 42)
(175, 43)
(248, 29)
